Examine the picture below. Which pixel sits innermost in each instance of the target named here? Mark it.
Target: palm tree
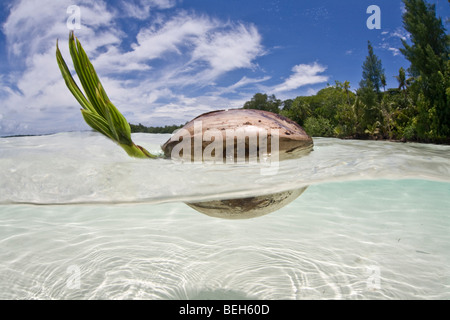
(401, 78)
(347, 91)
(373, 130)
(383, 81)
(388, 111)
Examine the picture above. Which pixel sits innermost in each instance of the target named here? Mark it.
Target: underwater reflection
(247, 208)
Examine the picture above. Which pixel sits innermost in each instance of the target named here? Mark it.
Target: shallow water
(373, 224)
(74, 168)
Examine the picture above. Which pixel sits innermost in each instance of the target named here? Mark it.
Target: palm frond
(98, 111)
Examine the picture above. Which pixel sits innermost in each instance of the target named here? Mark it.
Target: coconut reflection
(247, 208)
(258, 205)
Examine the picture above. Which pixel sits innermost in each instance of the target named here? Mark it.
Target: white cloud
(203, 46)
(400, 33)
(393, 50)
(245, 82)
(141, 9)
(180, 30)
(137, 11)
(402, 8)
(230, 49)
(303, 74)
(24, 31)
(311, 92)
(184, 108)
(144, 81)
(36, 99)
(392, 40)
(197, 43)
(161, 4)
(33, 26)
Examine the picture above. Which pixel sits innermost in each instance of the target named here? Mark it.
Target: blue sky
(164, 62)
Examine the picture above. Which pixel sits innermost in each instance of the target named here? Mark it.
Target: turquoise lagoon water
(79, 219)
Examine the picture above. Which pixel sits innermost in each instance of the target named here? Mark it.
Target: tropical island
(418, 110)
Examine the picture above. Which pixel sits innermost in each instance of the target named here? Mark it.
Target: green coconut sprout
(97, 110)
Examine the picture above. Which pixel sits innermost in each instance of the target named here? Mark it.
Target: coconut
(239, 134)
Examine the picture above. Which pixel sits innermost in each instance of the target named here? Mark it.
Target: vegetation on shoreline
(417, 110)
(144, 129)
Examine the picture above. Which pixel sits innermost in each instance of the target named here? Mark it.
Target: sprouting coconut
(240, 130)
(237, 134)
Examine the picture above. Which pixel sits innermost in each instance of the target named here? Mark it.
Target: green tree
(373, 130)
(287, 104)
(401, 78)
(262, 101)
(349, 119)
(325, 103)
(373, 78)
(368, 102)
(319, 127)
(428, 52)
(388, 111)
(346, 87)
(383, 81)
(299, 110)
(373, 71)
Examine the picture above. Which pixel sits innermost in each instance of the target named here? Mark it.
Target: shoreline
(446, 142)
